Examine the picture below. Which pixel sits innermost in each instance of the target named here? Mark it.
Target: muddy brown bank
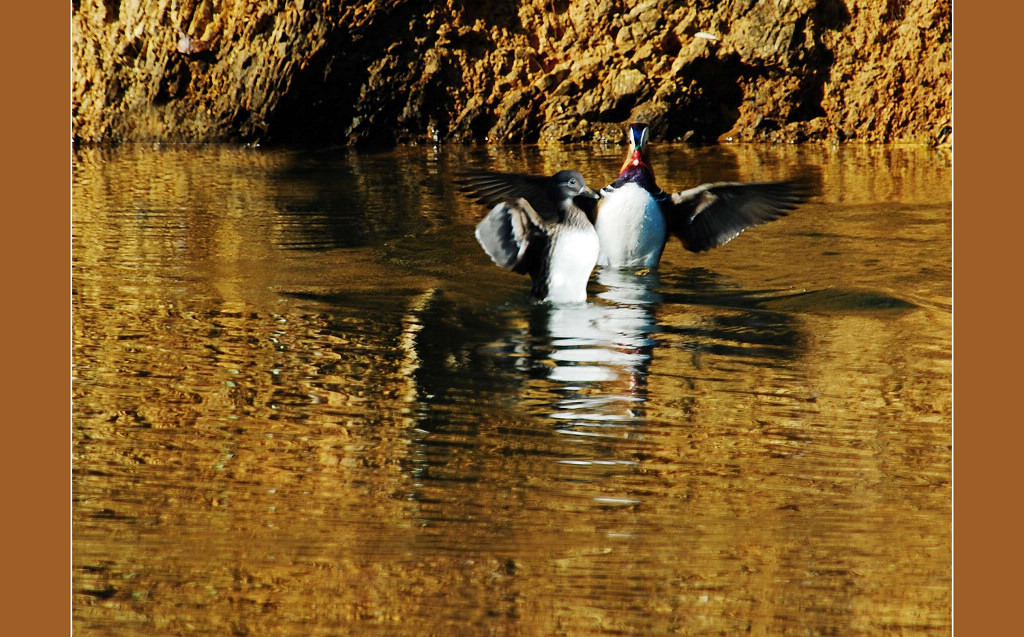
(379, 72)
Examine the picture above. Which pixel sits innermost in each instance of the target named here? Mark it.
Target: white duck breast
(630, 226)
(572, 261)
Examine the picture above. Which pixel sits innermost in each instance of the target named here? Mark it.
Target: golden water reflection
(306, 403)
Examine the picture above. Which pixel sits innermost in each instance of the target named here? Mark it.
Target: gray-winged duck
(537, 227)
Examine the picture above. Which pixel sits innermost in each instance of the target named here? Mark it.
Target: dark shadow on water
(735, 321)
(335, 198)
(840, 301)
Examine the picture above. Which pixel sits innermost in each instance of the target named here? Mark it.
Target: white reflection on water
(606, 340)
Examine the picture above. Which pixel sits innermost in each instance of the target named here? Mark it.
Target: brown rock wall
(387, 71)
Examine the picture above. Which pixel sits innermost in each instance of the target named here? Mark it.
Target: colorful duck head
(636, 168)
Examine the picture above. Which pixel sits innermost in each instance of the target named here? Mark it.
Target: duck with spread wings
(635, 217)
(538, 226)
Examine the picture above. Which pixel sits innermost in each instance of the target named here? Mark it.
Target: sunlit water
(307, 403)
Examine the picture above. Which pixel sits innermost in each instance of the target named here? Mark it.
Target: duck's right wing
(492, 188)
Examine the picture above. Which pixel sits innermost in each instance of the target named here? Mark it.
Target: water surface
(307, 403)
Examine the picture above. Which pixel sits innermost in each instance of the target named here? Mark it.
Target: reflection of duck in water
(606, 343)
(607, 338)
(536, 227)
(635, 217)
(632, 353)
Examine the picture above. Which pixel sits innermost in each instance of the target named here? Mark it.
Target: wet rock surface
(384, 72)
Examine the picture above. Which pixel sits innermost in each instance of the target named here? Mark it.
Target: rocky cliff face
(387, 71)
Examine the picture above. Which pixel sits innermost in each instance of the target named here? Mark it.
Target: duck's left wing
(712, 215)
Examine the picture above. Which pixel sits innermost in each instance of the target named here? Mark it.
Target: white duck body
(572, 259)
(630, 226)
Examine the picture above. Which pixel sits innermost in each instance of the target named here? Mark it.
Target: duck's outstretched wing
(712, 215)
(492, 188)
(509, 235)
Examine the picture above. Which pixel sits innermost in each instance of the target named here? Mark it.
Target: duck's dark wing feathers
(510, 235)
(491, 188)
(711, 215)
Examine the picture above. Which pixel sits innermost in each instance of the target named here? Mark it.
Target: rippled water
(306, 403)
